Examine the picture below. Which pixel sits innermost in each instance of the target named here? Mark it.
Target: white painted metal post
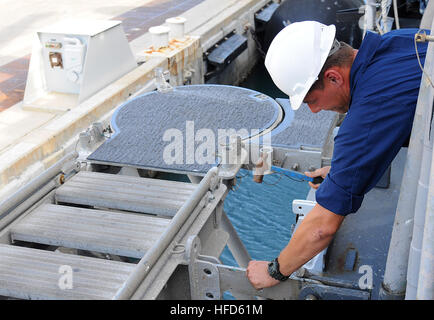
(370, 15)
(425, 285)
(424, 179)
(394, 283)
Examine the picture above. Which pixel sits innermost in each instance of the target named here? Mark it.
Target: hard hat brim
(296, 101)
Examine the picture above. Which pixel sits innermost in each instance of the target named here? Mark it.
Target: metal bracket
(209, 278)
(302, 207)
(204, 273)
(223, 53)
(204, 276)
(322, 292)
(227, 50)
(192, 248)
(263, 16)
(215, 183)
(304, 160)
(422, 37)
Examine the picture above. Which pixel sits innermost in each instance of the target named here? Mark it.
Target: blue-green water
(262, 214)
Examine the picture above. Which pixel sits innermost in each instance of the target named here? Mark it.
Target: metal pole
(26, 204)
(370, 13)
(150, 258)
(235, 244)
(385, 5)
(23, 193)
(394, 283)
(414, 258)
(395, 14)
(428, 16)
(425, 271)
(425, 287)
(419, 220)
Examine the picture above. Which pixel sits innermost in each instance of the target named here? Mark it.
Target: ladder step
(37, 274)
(124, 234)
(122, 192)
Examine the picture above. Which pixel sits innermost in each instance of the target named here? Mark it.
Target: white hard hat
(296, 56)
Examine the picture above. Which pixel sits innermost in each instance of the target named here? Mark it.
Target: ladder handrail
(9, 204)
(150, 258)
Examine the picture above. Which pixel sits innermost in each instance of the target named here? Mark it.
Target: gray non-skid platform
(37, 274)
(302, 128)
(141, 124)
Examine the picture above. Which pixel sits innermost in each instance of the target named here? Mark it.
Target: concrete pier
(31, 140)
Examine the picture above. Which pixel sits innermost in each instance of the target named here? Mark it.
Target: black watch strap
(274, 271)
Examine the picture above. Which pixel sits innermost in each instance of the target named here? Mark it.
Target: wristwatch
(274, 271)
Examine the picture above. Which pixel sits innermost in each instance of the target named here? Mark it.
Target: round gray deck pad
(170, 131)
(303, 128)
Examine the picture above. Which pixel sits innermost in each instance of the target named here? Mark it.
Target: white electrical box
(72, 60)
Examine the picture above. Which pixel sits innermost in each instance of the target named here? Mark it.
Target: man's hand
(257, 273)
(322, 172)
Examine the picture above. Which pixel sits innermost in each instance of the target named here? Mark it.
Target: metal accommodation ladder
(110, 236)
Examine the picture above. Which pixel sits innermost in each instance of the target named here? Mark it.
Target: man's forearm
(312, 235)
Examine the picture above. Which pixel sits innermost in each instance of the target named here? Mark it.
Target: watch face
(274, 272)
(272, 268)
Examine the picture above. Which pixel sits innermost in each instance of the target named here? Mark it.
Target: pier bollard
(160, 36)
(177, 26)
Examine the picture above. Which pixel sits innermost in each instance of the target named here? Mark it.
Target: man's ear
(334, 76)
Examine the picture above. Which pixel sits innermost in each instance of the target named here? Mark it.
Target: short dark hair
(341, 58)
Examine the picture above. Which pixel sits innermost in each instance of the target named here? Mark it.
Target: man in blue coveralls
(377, 87)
